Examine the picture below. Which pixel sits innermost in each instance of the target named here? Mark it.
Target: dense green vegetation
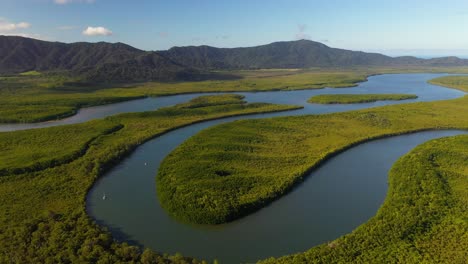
(43, 208)
(49, 96)
(207, 100)
(33, 98)
(111, 62)
(457, 82)
(43, 217)
(357, 98)
(31, 150)
(230, 170)
(99, 62)
(424, 218)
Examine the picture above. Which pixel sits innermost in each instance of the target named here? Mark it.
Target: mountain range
(118, 62)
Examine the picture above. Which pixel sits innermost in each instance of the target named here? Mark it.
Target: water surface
(388, 83)
(342, 194)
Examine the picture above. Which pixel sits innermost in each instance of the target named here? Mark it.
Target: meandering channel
(337, 197)
(340, 195)
(387, 83)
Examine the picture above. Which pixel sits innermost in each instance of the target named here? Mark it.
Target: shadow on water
(118, 234)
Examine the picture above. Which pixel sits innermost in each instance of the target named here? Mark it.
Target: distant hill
(120, 62)
(292, 54)
(96, 61)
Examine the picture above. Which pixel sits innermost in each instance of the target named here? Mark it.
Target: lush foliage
(49, 96)
(230, 170)
(203, 101)
(43, 217)
(424, 218)
(31, 150)
(34, 98)
(357, 98)
(457, 82)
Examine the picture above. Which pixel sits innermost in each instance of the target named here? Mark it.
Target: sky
(425, 28)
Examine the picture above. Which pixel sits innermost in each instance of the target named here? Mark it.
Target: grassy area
(457, 82)
(33, 98)
(357, 98)
(230, 170)
(424, 218)
(43, 217)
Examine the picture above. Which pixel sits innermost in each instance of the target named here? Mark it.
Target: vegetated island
(230, 170)
(47, 96)
(358, 98)
(422, 220)
(46, 178)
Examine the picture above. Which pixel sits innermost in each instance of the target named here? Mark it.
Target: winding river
(337, 197)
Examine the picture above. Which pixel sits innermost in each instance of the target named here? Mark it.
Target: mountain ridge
(108, 62)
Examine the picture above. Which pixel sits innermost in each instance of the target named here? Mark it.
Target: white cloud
(26, 35)
(7, 26)
(64, 2)
(97, 31)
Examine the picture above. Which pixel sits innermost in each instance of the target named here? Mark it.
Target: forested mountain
(96, 61)
(120, 62)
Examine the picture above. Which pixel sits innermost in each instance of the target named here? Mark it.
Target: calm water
(342, 194)
(389, 83)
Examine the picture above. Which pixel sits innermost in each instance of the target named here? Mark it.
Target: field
(43, 216)
(357, 98)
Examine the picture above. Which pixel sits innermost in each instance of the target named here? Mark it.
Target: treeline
(73, 238)
(423, 218)
(43, 217)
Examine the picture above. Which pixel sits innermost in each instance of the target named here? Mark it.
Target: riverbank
(237, 168)
(423, 218)
(358, 98)
(44, 211)
(47, 97)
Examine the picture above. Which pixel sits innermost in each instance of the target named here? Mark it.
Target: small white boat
(145, 163)
(104, 197)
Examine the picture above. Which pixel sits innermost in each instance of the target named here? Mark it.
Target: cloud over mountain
(97, 31)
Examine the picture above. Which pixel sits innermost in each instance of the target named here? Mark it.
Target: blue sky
(394, 27)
